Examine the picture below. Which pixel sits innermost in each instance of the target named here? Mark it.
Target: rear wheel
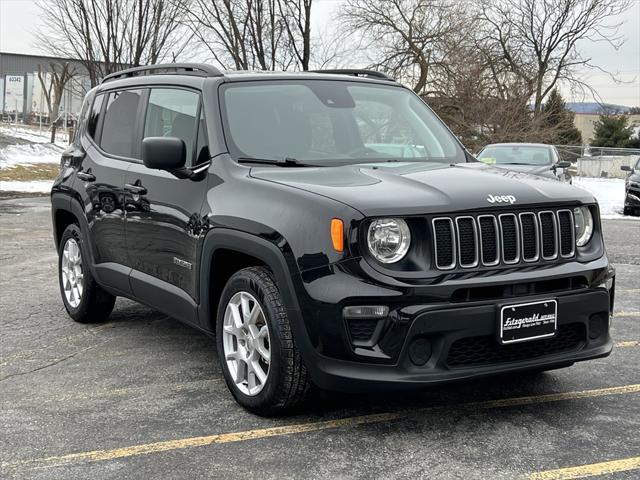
(260, 361)
(84, 300)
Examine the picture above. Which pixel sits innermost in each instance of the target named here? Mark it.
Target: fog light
(365, 311)
(420, 351)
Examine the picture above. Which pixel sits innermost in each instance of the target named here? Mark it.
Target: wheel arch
(226, 251)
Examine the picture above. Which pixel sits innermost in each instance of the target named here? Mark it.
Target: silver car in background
(534, 158)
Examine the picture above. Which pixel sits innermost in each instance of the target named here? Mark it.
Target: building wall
(22, 95)
(585, 123)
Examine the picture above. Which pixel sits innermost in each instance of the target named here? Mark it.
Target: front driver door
(163, 222)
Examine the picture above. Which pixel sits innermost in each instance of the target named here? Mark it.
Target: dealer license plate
(528, 321)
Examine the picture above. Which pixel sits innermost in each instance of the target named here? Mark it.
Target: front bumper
(458, 339)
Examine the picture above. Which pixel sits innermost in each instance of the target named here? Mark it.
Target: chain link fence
(598, 162)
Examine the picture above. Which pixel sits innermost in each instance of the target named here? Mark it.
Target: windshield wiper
(284, 162)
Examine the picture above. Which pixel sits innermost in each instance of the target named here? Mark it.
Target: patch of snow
(608, 191)
(29, 154)
(35, 135)
(37, 186)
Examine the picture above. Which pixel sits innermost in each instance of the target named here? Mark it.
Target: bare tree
(53, 83)
(254, 34)
(405, 36)
(108, 35)
(538, 39)
(296, 19)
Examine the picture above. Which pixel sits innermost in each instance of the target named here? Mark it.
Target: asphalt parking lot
(142, 396)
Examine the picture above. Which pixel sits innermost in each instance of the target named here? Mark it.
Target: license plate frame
(539, 318)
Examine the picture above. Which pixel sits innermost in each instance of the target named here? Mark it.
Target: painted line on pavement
(591, 470)
(183, 443)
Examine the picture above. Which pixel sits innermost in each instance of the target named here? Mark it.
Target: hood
(542, 170)
(424, 187)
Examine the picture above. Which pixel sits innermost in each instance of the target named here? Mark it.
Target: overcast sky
(18, 19)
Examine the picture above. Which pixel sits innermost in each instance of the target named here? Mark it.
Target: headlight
(388, 239)
(584, 225)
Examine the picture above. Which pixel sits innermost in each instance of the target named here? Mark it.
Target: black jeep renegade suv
(327, 228)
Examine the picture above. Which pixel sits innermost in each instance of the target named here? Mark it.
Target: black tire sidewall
(244, 281)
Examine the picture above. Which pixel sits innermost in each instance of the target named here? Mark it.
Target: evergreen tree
(559, 120)
(611, 131)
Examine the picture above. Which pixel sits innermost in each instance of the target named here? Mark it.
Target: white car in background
(534, 158)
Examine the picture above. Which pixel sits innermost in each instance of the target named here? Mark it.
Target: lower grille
(362, 329)
(486, 350)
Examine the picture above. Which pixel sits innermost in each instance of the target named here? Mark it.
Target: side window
(172, 113)
(94, 116)
(118, 131)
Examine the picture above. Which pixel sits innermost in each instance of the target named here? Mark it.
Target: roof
(517, 144)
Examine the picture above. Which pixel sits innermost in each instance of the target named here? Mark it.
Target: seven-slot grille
(508, 238)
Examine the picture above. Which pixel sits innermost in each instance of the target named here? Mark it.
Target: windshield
(516, 155)
(330, 122)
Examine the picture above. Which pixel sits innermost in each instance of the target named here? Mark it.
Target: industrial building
(22, 98)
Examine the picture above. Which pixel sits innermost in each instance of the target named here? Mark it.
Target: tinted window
(172, 113)
(329, 122)
(94, 116)
(82, 121)
(118, 132)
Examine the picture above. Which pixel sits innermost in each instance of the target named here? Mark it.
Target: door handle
(86, 176)
(136, 189)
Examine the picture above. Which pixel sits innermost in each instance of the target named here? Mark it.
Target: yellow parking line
(179, 444)
(632, 343)
(627, 290)
(626, 314)
(591, 470)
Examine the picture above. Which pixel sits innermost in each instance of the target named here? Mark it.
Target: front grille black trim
(509, 239)
(475, 242)
(453, 243)
(516, 258)
(573, 234)
(497, 238)
(555, 235)
(536, 227)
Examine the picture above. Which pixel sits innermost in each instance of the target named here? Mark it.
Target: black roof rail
(358, 73)
(196, 69)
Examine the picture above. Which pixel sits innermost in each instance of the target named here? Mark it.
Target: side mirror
(563, 164)
(164, 153)
(626, 168)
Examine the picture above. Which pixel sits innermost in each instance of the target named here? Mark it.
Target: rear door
(163, 222)
(110, 143)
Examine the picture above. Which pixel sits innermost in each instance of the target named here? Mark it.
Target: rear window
(118, 131)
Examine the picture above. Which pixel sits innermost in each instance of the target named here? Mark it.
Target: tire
(627, 211)
(89, 303)
(287, 382)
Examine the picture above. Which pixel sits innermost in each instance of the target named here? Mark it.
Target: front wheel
(84, 300)
(258, 355)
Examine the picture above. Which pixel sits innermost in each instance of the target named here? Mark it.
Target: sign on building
(13, 93)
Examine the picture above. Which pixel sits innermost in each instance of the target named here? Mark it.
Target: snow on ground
(34, 186)
(608, 191)
(34, 135)
(27, 154)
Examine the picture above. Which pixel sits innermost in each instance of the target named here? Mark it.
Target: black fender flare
(62, 201)
(249, 244)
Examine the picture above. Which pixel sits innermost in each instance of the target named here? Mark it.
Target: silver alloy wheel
(246, 343)
(71, 272)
